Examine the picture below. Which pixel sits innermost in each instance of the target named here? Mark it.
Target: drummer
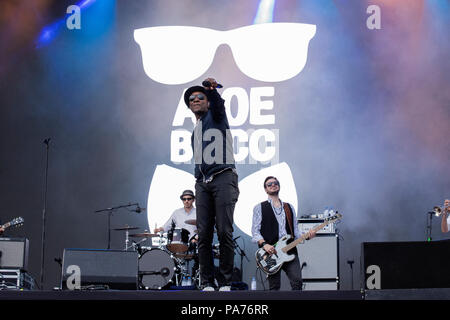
(180, 216)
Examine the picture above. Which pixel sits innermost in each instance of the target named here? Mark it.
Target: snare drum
(178, 240)
(157, 269)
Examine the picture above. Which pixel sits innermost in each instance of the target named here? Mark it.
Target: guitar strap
(287, 210)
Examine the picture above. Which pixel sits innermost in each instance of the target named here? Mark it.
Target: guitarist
(273, 219)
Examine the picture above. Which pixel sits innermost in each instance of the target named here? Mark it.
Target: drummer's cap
(187, 193)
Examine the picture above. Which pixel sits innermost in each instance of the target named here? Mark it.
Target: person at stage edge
(270, 222)
(216, 185)
(445, 216)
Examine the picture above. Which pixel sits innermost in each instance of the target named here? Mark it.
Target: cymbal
(191, 222)
(126, 228)
(144, 235)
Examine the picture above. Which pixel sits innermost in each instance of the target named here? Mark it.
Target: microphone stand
(110, 211)
(241, 253)
(44, 211)
(350, 263)
(429, 225)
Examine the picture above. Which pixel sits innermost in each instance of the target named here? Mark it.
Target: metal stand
(242, 254)
(429, 226)
(350, 263)
(44, 211)
(127, 240)
(110, 211)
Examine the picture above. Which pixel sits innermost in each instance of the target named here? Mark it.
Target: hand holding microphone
(211, 84)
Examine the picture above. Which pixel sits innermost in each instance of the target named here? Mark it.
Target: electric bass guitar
(13, 223)
(271, 263)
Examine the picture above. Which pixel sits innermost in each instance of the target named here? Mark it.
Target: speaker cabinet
(405, 265)
(115, 269)
(321, 255)
(14, 253)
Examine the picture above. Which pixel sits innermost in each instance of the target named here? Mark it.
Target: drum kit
(165, 261)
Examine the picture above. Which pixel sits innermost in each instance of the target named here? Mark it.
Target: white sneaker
(225, 288)
(208, 288)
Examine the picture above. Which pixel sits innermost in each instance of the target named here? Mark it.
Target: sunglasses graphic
(270, 52)
(160, 204)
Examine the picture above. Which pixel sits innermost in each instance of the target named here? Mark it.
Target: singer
(216, 185)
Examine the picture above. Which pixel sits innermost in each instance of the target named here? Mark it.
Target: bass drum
(156, 269)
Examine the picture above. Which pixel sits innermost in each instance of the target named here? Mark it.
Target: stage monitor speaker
(14, 253)
(405, 265)
(321, 255)
(113, 269)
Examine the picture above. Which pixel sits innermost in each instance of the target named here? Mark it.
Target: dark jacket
(215, 124)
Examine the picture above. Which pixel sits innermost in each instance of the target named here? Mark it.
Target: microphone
(209, 84)
(236, 238)
(139, 209)
(165, 272)
(47, 141)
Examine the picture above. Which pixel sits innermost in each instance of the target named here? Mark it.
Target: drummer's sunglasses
(187, 199)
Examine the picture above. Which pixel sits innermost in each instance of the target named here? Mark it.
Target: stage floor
(238, 295)
(242, 295)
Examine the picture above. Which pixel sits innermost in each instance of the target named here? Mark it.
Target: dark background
(364, 127)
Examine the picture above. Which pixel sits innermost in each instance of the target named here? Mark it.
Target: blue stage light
(265, 12)
(85, 3)
(49, 32)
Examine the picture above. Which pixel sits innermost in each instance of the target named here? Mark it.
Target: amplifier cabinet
(115, 269)
(304, 225)
(321, 255)
(14, 253)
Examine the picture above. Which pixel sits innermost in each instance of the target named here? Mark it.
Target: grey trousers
(293, 272)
